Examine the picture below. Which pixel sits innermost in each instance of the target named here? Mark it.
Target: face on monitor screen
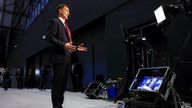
(150, 83)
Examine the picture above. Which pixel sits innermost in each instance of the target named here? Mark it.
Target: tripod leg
(155, 102)
(174, 97)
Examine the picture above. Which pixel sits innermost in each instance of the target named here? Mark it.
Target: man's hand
(70, 47)
(81, 48)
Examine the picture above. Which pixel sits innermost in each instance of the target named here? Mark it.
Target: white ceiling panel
(9, 5)
(7, 19)
(1, 3)
(9, 2)
(9, 8)
(23, 22)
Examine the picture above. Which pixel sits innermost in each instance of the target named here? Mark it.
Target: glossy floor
(33, 98)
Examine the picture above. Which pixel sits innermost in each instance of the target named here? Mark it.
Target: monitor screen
(150, 83)
(159, 14)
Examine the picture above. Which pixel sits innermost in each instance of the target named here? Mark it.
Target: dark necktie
(68, 32)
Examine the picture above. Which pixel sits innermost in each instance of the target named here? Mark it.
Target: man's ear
(59, 11)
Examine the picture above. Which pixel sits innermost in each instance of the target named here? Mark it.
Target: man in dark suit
(59, 36)
(19, 78)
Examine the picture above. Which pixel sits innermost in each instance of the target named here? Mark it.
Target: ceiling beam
(13, 12)
(9, 28)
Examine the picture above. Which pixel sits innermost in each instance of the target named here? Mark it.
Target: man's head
(63, 11)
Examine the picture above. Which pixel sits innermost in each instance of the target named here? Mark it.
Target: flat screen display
(150, 83)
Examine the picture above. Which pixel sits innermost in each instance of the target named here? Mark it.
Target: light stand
(129, 41)
(137, 49)
(138, 52)
(130, 70)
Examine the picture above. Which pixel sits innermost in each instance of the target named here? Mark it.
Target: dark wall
(179, 35)
(85, 11)
(94, 60)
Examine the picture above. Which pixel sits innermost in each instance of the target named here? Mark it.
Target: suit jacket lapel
(63, 26)
(63, 29)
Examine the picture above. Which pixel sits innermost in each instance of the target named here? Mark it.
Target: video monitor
(160, 15)
(153, 81)
(150, 83)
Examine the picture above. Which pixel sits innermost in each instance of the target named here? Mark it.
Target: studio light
(160, 15)
(183, 6)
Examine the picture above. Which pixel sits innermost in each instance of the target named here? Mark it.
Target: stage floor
(33, 98)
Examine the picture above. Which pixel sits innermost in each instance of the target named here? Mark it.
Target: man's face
(64, 12)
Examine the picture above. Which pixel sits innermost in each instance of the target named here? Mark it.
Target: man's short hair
(61, 6)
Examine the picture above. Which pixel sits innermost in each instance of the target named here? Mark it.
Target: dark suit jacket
(57, 36)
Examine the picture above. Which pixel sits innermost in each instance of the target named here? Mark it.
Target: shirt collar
(62, 20)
